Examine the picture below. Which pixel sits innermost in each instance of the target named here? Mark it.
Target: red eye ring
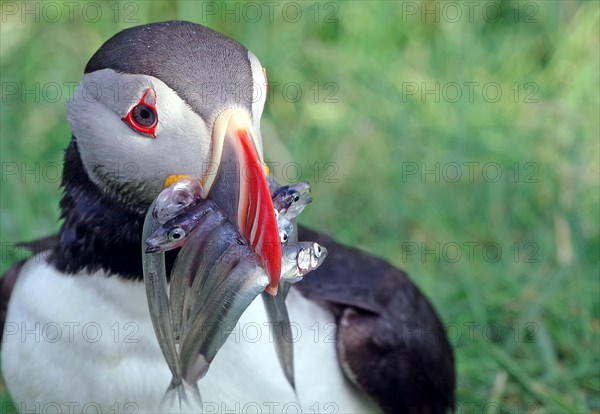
(143, 117)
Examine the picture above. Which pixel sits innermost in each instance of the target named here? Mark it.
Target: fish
(155, 281)
(208, 329)
(217, 310)
(298, 259)
(285, 228)
(176, 199)
(290, 200)
(180, 207)
(213, 236)
(227, 276)
(174, 232)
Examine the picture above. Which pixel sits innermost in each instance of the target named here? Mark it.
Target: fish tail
(181, 397)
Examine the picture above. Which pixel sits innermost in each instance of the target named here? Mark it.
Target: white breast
(84, 343)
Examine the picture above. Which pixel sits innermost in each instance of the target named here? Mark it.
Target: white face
(130, 163)
(117, 157)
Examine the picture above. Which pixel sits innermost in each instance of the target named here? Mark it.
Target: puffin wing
(390, 341)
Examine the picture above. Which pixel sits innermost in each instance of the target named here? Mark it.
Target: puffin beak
(236, 182)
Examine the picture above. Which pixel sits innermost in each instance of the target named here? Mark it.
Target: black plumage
(98, 231)
(390, 340)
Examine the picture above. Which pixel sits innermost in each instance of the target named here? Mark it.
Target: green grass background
(546, 358)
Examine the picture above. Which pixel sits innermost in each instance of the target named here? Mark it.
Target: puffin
(167, 99)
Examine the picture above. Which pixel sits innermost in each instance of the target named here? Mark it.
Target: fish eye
(284, 237)
(296, 198)
(317, 249)
(176, 233)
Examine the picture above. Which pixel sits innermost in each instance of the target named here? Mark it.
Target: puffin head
(178, 99)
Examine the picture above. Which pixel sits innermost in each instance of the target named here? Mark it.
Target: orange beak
(237, 183)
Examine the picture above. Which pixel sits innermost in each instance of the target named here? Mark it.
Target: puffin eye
(143, 117)
(177, 233)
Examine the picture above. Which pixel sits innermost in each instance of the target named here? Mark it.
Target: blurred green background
(383, 153)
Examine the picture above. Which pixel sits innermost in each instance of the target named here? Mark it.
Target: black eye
(317, 249)
(143, 115)
(176, 234)
(283, 236)
(296, 198)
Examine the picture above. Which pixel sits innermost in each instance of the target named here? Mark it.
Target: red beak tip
(272, 290)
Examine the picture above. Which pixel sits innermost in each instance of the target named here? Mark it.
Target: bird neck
(98, 232)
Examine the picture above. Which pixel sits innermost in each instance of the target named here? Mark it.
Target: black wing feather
(390, 341)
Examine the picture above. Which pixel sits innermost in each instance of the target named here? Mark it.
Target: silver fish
(227, 253)
(210, 323)
(174, 232)
(182, 205)
(225, 300)
(299, 259)
(213, 236)
(290, 200)
(285, 228)
(280, 321)
(176, 198)
(155, 281)
(226, 277)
